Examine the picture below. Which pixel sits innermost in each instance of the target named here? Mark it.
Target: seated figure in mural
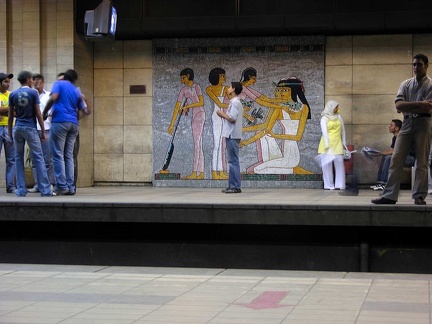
(190, 98)
(249, 97)
(291, 116)
(217, 92)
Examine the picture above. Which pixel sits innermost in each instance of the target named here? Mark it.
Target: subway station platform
(278, 229)
(65, 294)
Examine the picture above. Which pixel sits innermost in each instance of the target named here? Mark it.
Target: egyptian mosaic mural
(283, 96)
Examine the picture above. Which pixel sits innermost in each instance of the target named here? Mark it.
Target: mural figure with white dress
(291, 115)
(217, 92)
(249, 97)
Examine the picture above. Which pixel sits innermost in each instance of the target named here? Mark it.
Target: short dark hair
(237, 86)
(422, 57)
(188, 71)
(214, 75)
(71, 75)
(397, 122)
(248, 73)
(38, 76)
(23, 76)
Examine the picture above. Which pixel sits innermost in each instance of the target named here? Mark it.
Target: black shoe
(13, 190)
(383, 201)
(232, 190)
(60, 192)
(419, 201)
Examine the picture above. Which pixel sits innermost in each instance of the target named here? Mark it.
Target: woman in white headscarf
(331, 146)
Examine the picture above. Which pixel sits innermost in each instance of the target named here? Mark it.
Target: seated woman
(291, 116)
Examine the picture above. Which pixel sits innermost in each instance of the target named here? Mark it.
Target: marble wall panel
(137, 140)
(381, 49)
(422, 43)
(109, 140)
(137, 167)
(379, 79)
(138, 54)
(109, 81)
(138, 111)
(109, 55)
(338, 80)
(108, 111)
(374, 109)
(339, 50)
(108, 167)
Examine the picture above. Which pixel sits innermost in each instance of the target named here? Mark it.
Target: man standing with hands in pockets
(414, 100)
(232, 131)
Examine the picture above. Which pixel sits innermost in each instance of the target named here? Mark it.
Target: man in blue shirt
(65, 101)
(24, 105)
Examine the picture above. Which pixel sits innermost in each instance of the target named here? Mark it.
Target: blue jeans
(46, 150)
(385, 165)
(9, 156)
(234, 177)
(31, 136)
(75, 158)
(63, 136)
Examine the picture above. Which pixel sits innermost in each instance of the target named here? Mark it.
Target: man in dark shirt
(394, 128)
(24, 105)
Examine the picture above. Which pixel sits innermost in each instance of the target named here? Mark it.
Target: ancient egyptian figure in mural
(249, 97)
(217, 92)
(291, 115)
(190, 101)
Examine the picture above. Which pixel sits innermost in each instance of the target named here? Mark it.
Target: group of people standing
(48, 123)
(414, 101)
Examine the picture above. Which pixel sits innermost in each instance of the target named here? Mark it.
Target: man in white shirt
(232, 131)
(38, 84)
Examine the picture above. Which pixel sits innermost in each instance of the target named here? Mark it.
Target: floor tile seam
(84, 284)
(363, 302)
(113, 296)
(19, 309)
(81, 312)
(429, 301)
(7, 273)
(33, 282)
(160, 306)
(234, 301)
(299, 300)
(101, 269)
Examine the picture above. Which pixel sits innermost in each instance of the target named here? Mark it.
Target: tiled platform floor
(122, 295)
(187, 196)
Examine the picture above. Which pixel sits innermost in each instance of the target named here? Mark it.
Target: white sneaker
(34, 189)
(430, 192)
(379, 187)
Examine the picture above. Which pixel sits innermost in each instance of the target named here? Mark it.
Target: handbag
(346, 153)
